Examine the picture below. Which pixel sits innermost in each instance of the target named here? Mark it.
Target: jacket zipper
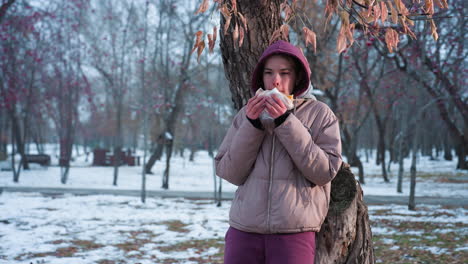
(270, 182)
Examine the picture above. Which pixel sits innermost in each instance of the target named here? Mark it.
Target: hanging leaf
(243, 20)
(384, 12)
(406, 29)
(212, 40)
(444, 4)
(215, 33)
(331, 8)
(429, 7)
(284, 31)
(310, 38)
(235, 34)
(438, 3)
(241, 36)
(226, 25)
(434, 30)
(341, 41)
(350, 34)
(275, 36)
(394, 14)
(376, 12)
(225, 11)
(284, 7)
(198, 35)
(234, 6)
(203, 7)
(391, 39)
(201, 46)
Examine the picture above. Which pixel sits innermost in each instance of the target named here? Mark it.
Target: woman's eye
(267, 73)
(284, 73)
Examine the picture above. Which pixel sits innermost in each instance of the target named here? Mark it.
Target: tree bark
(345, 236)
(347, 224)
(263, 18)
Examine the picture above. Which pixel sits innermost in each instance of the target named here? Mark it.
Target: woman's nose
(276, 80)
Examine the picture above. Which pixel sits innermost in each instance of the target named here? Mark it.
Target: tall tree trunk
(345, 236)
(118, 142)
(155, 155)
(263, 18)
(411, 201)
(348, 228)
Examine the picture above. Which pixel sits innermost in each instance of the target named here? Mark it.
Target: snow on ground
(34, 226)
(59, 229)
(56, 229)
(199, 176)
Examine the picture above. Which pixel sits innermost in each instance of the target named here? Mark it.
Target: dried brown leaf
(394, 14)
(225, 11)
(215, 33)
(234, 6)
(444, 3)
(276, 35)
(203, 7)
(384, 12)
(341, 42)
(284, 7)
(391, 39)
(241, 36)
(212, 39)
(429, 7)
(331, 7)
(310, 38)
(243, 20)
(434, 30)
(201, 46)
(210, 43)
(376, 12)
(235, 34)
(284, 31)
(198, 35)
(226, 25)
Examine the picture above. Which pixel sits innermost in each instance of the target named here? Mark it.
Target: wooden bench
(42, 159)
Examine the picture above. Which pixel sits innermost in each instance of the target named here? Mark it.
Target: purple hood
(282, 47)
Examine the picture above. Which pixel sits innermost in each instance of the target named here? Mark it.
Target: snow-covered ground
(198, 176)
(103, 229)
(36, 228)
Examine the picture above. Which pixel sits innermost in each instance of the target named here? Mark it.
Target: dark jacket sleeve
(238, 151)
(318, 160)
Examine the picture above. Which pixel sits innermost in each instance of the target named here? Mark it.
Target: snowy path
(369, 199)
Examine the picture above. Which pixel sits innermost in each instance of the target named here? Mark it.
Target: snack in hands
(286, 99)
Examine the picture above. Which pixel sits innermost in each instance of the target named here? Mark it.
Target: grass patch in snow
(176, 226)
(438, 240)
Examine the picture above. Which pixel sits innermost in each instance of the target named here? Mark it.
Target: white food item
(287, 100)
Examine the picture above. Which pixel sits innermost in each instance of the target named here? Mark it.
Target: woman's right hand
(255, 106)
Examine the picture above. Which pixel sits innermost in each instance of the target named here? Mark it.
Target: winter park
(233, 131)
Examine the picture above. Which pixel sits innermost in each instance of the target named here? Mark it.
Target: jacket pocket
(305, 188)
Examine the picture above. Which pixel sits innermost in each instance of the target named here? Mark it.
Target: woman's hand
(255, 106)
(275, 107)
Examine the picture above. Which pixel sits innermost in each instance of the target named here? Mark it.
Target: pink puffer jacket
(284, 175)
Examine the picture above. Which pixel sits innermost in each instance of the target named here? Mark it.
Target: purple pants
(242, 248)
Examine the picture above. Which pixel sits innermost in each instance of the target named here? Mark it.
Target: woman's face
(279, 72)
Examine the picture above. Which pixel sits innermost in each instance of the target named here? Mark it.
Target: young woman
(284, 173)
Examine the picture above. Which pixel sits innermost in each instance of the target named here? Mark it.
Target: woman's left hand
(275, 107)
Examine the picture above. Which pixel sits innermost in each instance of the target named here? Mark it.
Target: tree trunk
(347, 225)
(165, 181)
(447, 147)
(345, 236)
(156, 155)
(411, 202)
(263, 18)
